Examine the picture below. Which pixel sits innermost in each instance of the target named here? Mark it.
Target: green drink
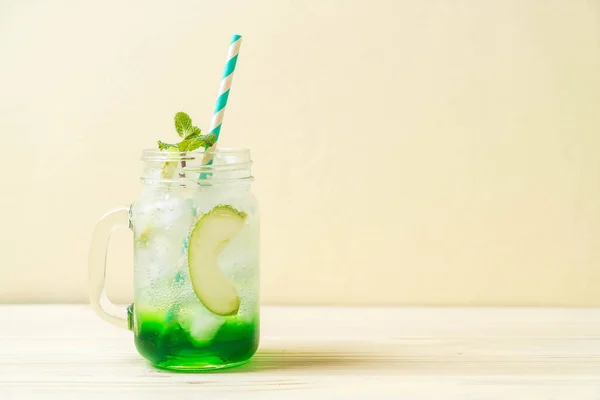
(196, 261)
(167, 344)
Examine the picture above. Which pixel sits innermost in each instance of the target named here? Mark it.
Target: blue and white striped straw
(224, 89)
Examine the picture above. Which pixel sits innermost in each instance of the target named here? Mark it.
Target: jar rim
(161, 155)
(198, 167)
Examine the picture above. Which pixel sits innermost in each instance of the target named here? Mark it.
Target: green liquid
(167, 345)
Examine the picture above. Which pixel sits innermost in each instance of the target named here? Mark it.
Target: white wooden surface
(66, 352)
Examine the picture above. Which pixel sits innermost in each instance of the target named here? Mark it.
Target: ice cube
(201, 324)
(161, 226)
(239, 259)
(169, 213)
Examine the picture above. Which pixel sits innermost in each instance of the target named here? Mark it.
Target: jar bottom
(206, 364)
(173, 348)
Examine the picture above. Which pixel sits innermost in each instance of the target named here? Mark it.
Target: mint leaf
(190, 144)
(193, 132)
(166, 146)
(183, 124)
(197, 142)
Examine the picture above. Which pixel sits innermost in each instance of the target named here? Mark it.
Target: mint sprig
(192, 139)
(192, 136)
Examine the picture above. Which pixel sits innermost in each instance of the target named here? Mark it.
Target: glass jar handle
(111, 221)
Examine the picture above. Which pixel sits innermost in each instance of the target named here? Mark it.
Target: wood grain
(65, 351)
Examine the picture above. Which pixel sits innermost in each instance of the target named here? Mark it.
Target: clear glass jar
(196, 260)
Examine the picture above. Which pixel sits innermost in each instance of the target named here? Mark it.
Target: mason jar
(196, 261)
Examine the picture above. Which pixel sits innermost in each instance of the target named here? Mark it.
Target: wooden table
(66, 352)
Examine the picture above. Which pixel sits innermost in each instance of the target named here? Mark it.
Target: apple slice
(209, 237)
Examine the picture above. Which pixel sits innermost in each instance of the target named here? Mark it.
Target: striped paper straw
(224, 89)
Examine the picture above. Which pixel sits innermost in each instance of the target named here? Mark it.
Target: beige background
(406, 152)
